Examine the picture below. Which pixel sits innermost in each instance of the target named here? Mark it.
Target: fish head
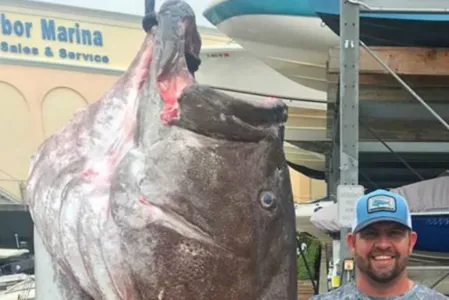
(235, 196)
(212, 216)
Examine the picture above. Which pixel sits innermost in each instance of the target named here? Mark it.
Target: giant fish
(165, 189)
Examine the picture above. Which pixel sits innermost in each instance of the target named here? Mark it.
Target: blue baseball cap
(378, 206)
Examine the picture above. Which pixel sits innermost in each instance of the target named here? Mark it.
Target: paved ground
(305, 289)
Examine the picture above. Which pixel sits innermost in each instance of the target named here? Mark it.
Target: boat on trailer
(294, 37)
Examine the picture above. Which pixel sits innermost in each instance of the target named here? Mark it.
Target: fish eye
(267, 200)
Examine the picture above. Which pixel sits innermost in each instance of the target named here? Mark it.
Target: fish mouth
(177, 57)
(187, 104)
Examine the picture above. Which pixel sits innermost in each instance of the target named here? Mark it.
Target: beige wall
(34, 103)
(305, 188)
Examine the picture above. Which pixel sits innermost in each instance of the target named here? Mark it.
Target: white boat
(286, 35)
(304, 212)
(239, 73)
(231, 66)
(6, 253)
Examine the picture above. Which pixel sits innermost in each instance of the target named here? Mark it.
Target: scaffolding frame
(343, 168)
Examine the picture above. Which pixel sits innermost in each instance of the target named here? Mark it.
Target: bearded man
(381, 242)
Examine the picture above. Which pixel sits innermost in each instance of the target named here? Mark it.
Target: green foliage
(312, 256)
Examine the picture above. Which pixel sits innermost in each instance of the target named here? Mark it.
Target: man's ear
(350, 241)
(412, 243)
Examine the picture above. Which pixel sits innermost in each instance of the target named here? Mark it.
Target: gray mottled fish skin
(167, 190)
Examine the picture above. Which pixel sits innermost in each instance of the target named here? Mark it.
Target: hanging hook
(149, 6)
(150, 18)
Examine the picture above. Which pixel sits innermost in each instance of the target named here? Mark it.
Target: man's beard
(381, 276)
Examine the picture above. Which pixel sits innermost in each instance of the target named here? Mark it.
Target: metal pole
(349, 109)
(334, 180)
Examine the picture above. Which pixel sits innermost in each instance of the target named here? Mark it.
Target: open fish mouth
(176, 49)
(175, 58)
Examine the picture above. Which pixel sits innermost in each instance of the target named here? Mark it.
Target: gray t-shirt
(351, 292)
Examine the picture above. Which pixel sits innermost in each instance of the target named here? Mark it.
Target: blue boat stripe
(332, 7)
(306, 8)
(232, 8)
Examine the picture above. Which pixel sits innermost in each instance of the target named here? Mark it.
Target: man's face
(381, 250)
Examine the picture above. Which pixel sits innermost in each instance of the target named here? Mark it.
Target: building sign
(67, 41)
(98, 42)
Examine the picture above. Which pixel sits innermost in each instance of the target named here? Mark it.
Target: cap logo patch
(381, 203)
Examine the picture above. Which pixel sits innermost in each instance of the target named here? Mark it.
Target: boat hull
(396, 33)
(390, 29)
(233, 67)
(303, 212)
(294, 39)
(295, 42)
(432, 231)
